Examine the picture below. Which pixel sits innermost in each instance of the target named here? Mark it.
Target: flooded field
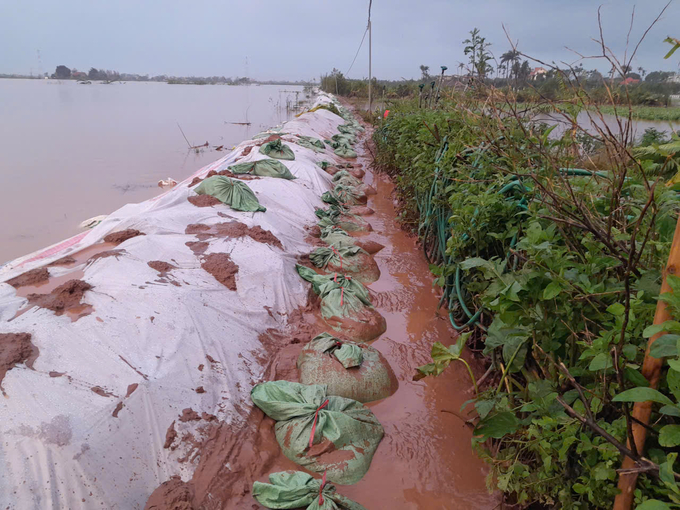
(69, 152)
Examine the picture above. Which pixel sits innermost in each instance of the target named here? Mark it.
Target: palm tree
(510, 57)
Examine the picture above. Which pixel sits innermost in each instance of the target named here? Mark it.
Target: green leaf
(670, 410)
(673, 381)
(642, 395)
(675, 43)
(498, 425)
(474, 262)
(551, 291)
(616, 309)
(668, 326)
(669, 436)
(484, 407)
(674, 364)
(635, 377)
(653, 504)
(601, 362)
(665, 346)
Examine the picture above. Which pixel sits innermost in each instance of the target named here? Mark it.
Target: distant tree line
(64, 73)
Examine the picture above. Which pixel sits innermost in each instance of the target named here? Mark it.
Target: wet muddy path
(425, 460)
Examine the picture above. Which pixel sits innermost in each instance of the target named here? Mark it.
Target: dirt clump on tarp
(204, 200)
(170, 436)
(107, 254)
(222, 268)
(247, 150)
(225, 173)
(62, 298)
(198, 247)
(15, 348)
(161, 266)
(189, 414)
(33, 277)
(172, 495)
(233, 229)
(64, 261)
(122, 236)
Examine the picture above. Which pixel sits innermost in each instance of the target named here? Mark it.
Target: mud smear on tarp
(106, 254)
(122, 235)
(15, 348)
(203, 200)
(224, 173)
(222, 268)
(33, 277)
(161, 266)
(233, 229)
(198, 247)
(230, 460)
(66, 298)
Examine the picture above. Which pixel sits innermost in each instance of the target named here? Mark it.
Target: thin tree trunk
(651, 369)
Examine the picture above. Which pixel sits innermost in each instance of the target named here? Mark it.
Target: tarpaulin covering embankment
(120, 344)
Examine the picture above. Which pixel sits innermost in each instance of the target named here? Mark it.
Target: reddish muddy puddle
(425, 461)
(74, 264)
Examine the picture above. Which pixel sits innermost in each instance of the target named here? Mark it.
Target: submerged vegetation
(549, 253)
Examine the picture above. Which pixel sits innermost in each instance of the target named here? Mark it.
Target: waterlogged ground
(69, 152)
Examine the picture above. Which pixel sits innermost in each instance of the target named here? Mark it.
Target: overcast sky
(300, 39)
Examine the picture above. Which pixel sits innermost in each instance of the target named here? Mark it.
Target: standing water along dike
(152, 362)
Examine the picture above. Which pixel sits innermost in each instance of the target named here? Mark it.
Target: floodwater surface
(69, 152)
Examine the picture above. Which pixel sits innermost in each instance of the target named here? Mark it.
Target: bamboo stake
(651, 369)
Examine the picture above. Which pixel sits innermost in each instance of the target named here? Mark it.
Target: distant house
(79, 75)
(674, 79)
(537, 72)
(630, 81)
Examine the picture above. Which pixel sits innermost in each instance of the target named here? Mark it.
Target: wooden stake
(651, 369)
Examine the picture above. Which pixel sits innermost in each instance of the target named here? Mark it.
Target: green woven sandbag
(347, 179)
(344, 195)
(344, 139)
(295, 489)
(319, 432)
(328, 106)
(311, 143)
(337, 237)
(351, 260)
(263, 168)
(347, 129)
(345, 152)
(345, 305)
(233, 192)
(335, 216)
(276, 149)
(350, 370)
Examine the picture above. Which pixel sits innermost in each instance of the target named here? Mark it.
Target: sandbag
(347, 129)
(344, 139)
(349, 222)
(233, 192)
(350, 370)
(311, 143)
(345, 178)
(295, 489)
(345, 305)
(276, 149)
(327, 106)
(345, 195)
(321, 432)
(335, 236)
(263, 168)
(351, 260)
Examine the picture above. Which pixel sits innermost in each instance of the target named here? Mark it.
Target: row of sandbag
(321, 422)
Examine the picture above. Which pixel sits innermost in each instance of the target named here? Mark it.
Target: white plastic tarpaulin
(62, 446)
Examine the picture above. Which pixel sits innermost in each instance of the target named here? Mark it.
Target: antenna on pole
(370, 74)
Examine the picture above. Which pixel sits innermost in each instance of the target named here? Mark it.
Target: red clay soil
(101, 391)
(15, 348)
(203, 200)
(117, 409)
(106, 254)
(231, 460)
(222, 268)
(198, 247)
(189, 414)
(131, 389)
(122, 236)
(372, 247)
(170, 436)
(64, 261)
(233, 229)
(247, 150)
(162, 267)
(225, 173)
(32, 277)
(62, 298)
(172, 495)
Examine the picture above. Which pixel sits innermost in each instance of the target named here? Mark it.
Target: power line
(357, 54)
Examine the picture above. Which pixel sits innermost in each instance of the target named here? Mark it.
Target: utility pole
(370, 47)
